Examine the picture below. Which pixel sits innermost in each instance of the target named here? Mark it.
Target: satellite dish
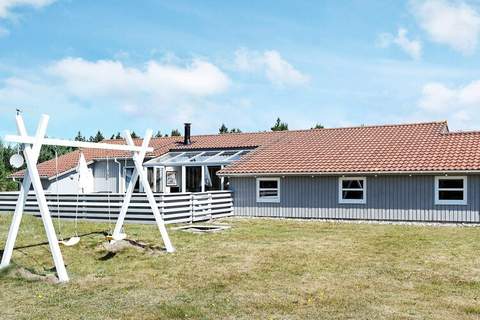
(16, 161)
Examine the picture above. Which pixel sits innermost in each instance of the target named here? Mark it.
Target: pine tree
(318, 126)
(158, 134)
(235, 130)
(280, 126)
(134, 135)
(175, 133)
(223, 129)
(79, 137)
(116, 136)
(97, 138)
(6, 184)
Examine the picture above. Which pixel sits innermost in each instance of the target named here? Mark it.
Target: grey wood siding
(103, 183)
(401, 198)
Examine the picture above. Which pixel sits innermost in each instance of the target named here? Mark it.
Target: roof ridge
(382, 125)
(294, 130)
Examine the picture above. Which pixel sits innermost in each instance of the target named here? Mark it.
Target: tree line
(279, 125)
(48, 152)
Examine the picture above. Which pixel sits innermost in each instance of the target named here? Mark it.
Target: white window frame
(341, 189)
(268, 199)
(438, 201)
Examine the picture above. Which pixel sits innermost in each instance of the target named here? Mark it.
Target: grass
(259, 269)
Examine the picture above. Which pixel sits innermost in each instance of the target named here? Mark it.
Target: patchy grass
(262, 269)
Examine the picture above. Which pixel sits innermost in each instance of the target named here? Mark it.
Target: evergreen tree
(280, 126)
(6, 183)
(235, 130)
(318, 126)
(97, 138)
(116, 136)
(158, 134)
(134, 135)
(175, 133)
(79, 137)
(223, 129)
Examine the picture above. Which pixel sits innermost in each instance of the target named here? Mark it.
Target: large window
(352, 190)
(450, 190)
(268, 190)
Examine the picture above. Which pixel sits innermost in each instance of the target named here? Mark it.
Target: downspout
(119, 173)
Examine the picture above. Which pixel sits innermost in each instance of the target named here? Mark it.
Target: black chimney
(186, 136)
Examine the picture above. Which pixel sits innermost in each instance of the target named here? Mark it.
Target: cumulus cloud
(461, 103)
(6, 6)
(455, 24)
(161, 93)
(108, 77)
(270, 63)
(413, 48)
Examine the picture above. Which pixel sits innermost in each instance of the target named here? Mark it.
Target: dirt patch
(29, 275)
(115, 247)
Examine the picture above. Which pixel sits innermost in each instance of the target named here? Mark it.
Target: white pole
(76, 144)
(138, 161)
(164, 179)
(222, 179)
(184, 179)
(31, 161)
(125, 204)
(203, 179)
(22, 196)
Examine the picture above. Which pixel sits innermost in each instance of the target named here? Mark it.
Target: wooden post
(184, 179)
(222, 179)
(139, 172)
(24, 189)
(31, 152)
(164, 179)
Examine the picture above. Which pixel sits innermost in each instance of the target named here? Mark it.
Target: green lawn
(260, 269)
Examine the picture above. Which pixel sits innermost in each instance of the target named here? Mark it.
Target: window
(268, 190)
(450, 190)
(352, 190)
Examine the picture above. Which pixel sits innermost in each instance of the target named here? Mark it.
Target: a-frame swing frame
(31, 151)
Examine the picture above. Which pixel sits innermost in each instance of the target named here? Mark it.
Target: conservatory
(190, 171)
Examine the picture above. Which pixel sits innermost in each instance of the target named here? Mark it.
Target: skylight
(179, 158)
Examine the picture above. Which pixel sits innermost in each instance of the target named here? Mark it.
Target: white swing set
(31, 149)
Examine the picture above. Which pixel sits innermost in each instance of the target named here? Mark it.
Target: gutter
(119, 173)
(354, 173)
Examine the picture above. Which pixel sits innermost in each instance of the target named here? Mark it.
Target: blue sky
(112, 65)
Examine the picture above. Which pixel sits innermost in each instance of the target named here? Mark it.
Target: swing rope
(78, 200)
(58, 196)
(75, 239)
(108, 196)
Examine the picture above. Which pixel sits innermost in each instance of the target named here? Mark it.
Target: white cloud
(272, 65)
(105, 93)
(6, 6)
(108, 78)
(456, 24)
(411, 47)
(459, 103)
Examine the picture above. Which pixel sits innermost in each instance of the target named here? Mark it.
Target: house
(408, 172)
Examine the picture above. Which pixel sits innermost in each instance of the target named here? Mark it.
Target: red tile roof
(386, 148)
(161, 146)
(424, 147)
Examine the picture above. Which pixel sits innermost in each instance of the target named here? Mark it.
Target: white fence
(174, 207)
